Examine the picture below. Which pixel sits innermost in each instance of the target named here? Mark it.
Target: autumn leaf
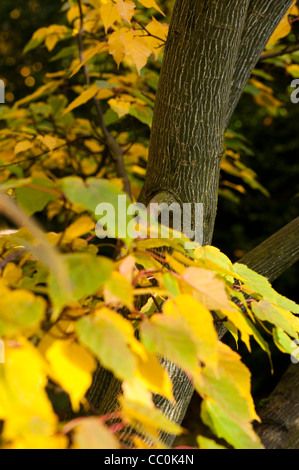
(84, 97)
(151, 4)
(72, 367)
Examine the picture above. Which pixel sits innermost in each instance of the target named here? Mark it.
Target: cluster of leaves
(116, 62)
(65, 307)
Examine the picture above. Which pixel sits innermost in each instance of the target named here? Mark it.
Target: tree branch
(276, 254)
(286, 50)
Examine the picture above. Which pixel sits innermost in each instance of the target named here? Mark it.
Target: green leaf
(168, 336)
(20, 310)
(93, 192)
(260, 340)
(35, 196)
(261, 285)
(223, 426)
(283, 341)
(270, 313)
(87, 274)
(219, 388)
(143, 115)
(32, 44)
(171, 284)
(109, 344)
(205, 443)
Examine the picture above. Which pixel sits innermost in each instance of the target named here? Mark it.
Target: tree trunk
(191, 103)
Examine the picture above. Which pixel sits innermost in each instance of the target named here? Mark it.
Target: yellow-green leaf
(200, 322)
(72, 367)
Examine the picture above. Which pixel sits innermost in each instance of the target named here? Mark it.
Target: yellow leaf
(231, 365)
(240, 323)
(90, 433)
(109, 14)
(153, 376)
(88, 55)
(33, 441)
(127, 268)
(119, 106)
(201, 324)
(135, 391)
(24, 404)
(20, 310)
(12, 273)
(126, 327)
(136, 50)
(208, 290)
(118, 290)
(123, 44)
(116, 45)
(23, 146)
(267, 100)
(293, 70)
(160, 31)
(72, 367)
(151, 419)
(51, 41)
(49, 141)
(78, 228)
(125, 9)
(151, 4)
(284, 27)
(82, 99)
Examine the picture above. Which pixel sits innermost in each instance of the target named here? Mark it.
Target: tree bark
(279, 428)
(191, 104)
(276, 254)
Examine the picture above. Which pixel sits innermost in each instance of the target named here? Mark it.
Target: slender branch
(114, 148)
(150, 34)
(11, 257)
(286, 50)
(41, 247)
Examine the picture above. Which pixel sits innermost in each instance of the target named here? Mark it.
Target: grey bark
(191, 103)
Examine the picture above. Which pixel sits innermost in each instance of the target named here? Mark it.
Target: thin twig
(114, 148)
(11, 257)
(45, 152)
(286, 50)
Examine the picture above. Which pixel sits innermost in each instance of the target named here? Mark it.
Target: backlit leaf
(72, 367)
